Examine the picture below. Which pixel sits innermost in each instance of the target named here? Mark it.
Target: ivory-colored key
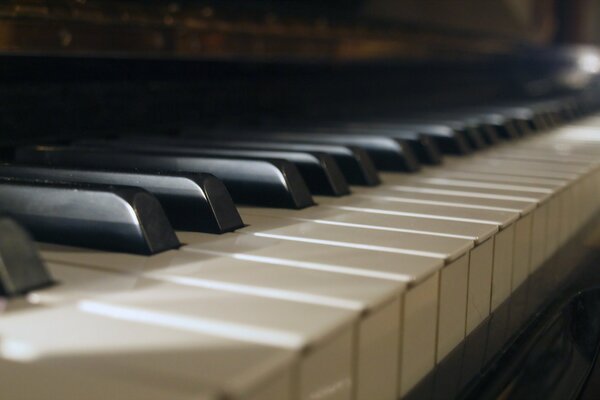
(323, 337)
(309, 256)
(82, 350)
(421, 301)
(378, 301)
(454, 277)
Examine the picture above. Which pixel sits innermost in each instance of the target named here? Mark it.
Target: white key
(454, 277)
(502, 271)
(477, 232)
(322, 336)
(445, 248)
(312, 256)
(75, 351)
(424, 205)
(545, 229)
(420, 312)
(378, 301)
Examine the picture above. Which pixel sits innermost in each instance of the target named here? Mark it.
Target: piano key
(443, 248)
(448, 139)
(424, 146)
(319, 170)
(476, 132)
(553, 204)
(112, 218)
(456, 201)
(550, 183)
(327, 346)
(477, 232)
(21, 269)
(537, 244)
(197, 202)
(135, 357)
(453, 212)
(479, 134)
(387, 153)
(420, 313)
(523, 117)
(378, 301)
(480, 266)
(462, 207)
(477, 138)
(449, 249)
(322, 338)
(354, 162)
(548, 155)
(275, 183)
(508, 169)
(503, 126)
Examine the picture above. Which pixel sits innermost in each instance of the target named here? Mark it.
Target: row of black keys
(129, 193)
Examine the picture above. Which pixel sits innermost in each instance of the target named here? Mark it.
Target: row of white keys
(541, 194)
(452, 240)
(322, 337)
(269, 246)
(81, 351)
(540, 249)
(527, 196)
(456, 303)
(539, 229)
(377, 302)
(286, 244)
(553, 186)
(479, 210)
(512, 245)
(553, 155)
(529, 168)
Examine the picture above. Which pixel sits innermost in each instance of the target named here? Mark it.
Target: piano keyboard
(155, 285)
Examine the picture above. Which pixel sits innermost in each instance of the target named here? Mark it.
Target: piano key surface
(352, 264)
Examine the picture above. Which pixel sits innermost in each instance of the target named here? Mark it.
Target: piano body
(295, 200)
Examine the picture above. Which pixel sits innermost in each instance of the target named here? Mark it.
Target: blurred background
(83, 66)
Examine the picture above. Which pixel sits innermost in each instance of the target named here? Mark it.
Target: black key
(424, 147)
(192, 202)
(506, 127)
(274, 183)
(483, 129)
(21, 269)
(484, 123)
(117, 218)
(355, 164)
(467, 125)
(523, 117)
(448, 139)
(320, 171)
(489, 133)
(388, 154)
(475, 136)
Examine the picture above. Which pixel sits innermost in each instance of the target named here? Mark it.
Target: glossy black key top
(477, 130)
(192, 202)
(523, 118)
(355, 164)
(274, 183)
(21, 269)
(116, 218)
(319, 170)
(466, 125)
(506, 127)
(448, 139)
(424, 147)
(388, 154)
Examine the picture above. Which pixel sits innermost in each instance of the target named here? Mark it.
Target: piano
(298, 201)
